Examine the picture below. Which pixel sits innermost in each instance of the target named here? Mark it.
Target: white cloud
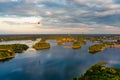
(111, 30)
(109, 4)
(113, 6)
(107, 13)
(9, 0)
(105, 29)
(48, 13)
(14, 0)
(64, 16)
(20, 20)
(79, 30)
(94, 1)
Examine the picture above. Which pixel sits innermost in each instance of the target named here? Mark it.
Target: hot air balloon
(38, 22)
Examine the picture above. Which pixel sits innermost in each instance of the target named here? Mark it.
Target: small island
(41, 45)
(96, 48)
(6, 54)
(100, 47)
(78, 44)
(100, 72)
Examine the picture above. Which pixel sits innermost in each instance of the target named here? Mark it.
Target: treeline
(58, 38)
(17, 48)
(99, 72)
(8, 38)
(101, 38)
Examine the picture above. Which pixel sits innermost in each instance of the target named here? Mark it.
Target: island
(78, 44)
(41, 45)
(96, 48)
(6, 54)
(100, 47)
(16, 48)
(100, 72)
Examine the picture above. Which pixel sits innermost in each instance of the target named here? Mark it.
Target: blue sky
(60, 16)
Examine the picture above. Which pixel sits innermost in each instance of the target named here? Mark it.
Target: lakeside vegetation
(16, 48)
(100, 72)
(5, 54)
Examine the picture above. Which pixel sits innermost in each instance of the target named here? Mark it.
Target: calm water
(56, 63)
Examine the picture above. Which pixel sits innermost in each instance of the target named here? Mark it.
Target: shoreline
(10, 57)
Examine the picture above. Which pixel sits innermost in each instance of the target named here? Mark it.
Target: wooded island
(8, 51)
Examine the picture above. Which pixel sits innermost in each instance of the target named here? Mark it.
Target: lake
(56, 63)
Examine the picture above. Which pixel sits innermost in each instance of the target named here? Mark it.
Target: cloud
(61, 15)
(20, 20)
(110, 30)
(107, 13)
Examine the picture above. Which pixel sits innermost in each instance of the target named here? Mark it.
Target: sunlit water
(56, 63)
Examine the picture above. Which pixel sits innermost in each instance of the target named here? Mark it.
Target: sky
(60, 16)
